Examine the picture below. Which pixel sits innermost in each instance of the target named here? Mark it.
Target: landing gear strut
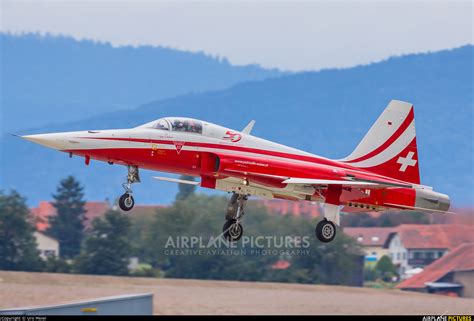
(326, 229)
(126, 201)
(232, 229)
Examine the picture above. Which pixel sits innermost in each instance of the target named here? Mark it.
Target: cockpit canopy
(177, 124)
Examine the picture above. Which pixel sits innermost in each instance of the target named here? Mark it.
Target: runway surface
(171, 296)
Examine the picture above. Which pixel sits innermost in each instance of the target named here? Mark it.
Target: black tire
(233, 231)
(126, 202)
(325, 231)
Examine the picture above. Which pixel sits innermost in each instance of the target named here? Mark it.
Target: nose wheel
(232, 229)
(325, 231)
(126, 201)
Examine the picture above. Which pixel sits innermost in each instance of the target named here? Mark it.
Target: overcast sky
(289, 35)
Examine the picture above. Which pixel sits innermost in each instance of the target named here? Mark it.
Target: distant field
(171, 296)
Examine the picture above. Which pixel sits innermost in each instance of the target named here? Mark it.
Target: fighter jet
(381, 173)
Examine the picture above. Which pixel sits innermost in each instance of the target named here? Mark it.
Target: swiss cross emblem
(178, 146)
(406, 161)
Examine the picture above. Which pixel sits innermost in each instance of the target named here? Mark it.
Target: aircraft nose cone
(56, 141)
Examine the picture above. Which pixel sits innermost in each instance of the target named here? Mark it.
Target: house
(453, 274)
(281, 265)
(143, 210)
(47, 246)
(463, 216)
(412, 245)
(372, 239)
(284, 207)
(45, 210)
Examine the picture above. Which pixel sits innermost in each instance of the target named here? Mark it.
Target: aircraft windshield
(162, 124)
(186, 125)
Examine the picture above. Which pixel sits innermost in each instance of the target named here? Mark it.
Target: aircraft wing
(344, 183)
(176, 180)
(313, 181)
(349, 182)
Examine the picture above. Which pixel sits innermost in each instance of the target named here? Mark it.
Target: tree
(57, 265)
(17, 243)
(385, 268)
(107, 249)
(68, 225)
(185, 189)
(202, 216)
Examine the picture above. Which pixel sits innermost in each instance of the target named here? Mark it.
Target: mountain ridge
(47, 76)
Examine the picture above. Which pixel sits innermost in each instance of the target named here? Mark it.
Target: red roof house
(446, 273)
(281, 265)
(435, 236)
(283, 207)
(369, 236)
(45, 210)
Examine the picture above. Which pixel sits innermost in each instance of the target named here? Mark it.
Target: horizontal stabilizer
(176, 180)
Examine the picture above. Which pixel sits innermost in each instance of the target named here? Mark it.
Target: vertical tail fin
(389, 147)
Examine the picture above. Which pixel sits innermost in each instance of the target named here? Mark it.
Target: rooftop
(283, 207)
(435, 236)
(369, 236)
(459, 259)
(46, 209)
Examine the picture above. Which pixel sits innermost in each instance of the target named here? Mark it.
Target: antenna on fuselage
(248, 128)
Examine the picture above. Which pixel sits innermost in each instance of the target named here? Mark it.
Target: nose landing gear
(232, 229)
(126, 201)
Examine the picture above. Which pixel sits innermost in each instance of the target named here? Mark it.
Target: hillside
(324, 112)
(49, 79)
(171, 296)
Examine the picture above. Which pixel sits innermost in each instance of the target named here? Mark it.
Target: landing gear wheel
(126, 202)
(233, 230)
(325, 231)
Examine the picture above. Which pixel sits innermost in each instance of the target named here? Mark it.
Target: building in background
(47, 246)
(372, 239)
(142, 210)
(453, 274)
(410, 246)
(464, 216)
(45, 210)
(283, 207)
(416, 246)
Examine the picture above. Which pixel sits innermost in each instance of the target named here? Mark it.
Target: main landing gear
(325, 231)
(232, 229)
(126, 201)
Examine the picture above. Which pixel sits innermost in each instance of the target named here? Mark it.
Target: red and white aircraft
(380, 174)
